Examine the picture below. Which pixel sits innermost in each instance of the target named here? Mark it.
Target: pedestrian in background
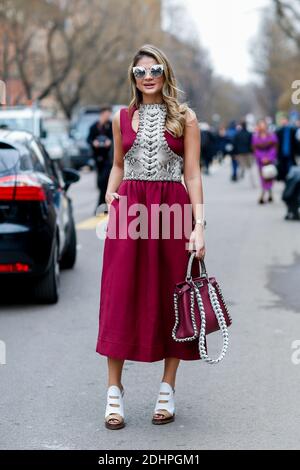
(286, 148)
(264, 145)
(297, 137)
(207, 146)
(230, 150)
(243, 148)
(222, 140)
(101, 140)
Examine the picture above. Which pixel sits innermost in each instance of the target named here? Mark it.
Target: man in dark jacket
(243, 149)
(101, 140)
(207, 146)
(286, 149)
(230, 150)
(291, 193)
(297, 137)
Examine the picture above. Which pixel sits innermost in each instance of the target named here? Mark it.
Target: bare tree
(288, 14)
(275, 62)
(54, 50)
(77, 51)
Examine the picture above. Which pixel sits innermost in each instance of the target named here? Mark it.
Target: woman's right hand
(197, 242)
(109, 197)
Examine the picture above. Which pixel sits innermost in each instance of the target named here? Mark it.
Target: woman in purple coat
(264, 145)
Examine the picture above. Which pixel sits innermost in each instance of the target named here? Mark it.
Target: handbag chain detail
(212, 312)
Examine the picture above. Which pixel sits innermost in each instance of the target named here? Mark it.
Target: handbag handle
(202, 267)
(221, 321)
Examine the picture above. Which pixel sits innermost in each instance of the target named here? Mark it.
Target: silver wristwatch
(201, 222)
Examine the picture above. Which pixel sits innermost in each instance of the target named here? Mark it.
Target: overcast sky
(225, 28)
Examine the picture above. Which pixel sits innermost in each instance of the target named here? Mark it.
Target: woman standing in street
(156, 139)
(264, 145)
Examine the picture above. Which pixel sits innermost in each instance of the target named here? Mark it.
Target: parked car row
(51, 131)
(39, 158)
(64, 140)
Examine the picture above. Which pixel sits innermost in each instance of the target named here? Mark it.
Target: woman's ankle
(117, 383)
(170, 382)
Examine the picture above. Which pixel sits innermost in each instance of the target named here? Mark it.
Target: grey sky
(225, 29)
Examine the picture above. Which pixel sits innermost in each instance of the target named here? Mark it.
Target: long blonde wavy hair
(175, 120)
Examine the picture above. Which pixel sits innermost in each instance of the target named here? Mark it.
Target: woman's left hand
(196, 242)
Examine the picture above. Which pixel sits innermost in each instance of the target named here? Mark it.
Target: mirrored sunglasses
(155, 71)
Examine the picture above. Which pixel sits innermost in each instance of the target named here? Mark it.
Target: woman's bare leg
(115, 368)
(170, 370)
(169, 376)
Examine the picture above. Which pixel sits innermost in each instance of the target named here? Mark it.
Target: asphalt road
(53, 386)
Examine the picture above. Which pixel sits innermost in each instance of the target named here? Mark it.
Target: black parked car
(37, 230)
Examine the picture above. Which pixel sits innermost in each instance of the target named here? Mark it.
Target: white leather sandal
(164, 411)
(114, 412)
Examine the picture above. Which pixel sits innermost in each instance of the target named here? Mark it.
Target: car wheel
(46, 289)
(69, 256)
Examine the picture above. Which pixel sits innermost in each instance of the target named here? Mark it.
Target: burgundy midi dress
(136, 314)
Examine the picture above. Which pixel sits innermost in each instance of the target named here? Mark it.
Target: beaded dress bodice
(150, 157)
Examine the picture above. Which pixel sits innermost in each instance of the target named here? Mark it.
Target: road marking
(92, 222)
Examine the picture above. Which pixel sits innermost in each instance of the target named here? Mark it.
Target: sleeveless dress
(136, 314)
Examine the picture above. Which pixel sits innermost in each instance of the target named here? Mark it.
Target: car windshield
(22, 124)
